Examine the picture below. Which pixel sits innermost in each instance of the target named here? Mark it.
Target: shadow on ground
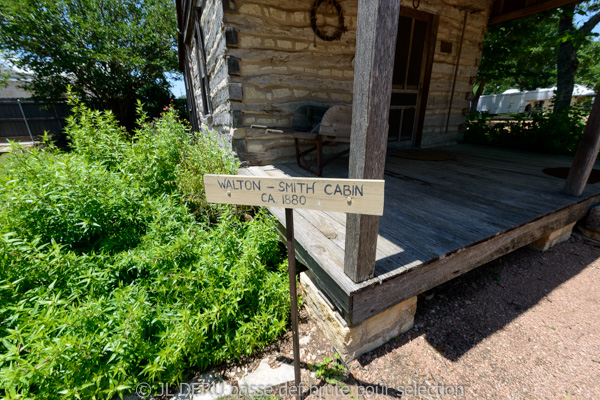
(459, 314)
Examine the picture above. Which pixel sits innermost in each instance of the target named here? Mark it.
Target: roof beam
(530, 10)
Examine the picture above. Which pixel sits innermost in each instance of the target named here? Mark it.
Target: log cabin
(264, 73)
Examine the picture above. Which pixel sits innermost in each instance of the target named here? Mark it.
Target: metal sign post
(358, 196)
(291, 248)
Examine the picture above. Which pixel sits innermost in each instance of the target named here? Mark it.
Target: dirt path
(526, 326)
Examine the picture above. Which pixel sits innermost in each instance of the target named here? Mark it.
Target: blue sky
(177, 85)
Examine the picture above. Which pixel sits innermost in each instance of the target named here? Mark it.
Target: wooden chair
(333, 129)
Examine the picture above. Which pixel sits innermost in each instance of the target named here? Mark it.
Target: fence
(26, 119)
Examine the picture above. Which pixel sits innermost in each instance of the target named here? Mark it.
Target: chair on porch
(333, 129)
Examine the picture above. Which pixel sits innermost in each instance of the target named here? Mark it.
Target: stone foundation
(591, 228)
(553, 238)
(352, 341)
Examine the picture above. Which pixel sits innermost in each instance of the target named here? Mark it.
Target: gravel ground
(522, 327)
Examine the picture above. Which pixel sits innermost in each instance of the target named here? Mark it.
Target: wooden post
(373, 69)
(586, 155)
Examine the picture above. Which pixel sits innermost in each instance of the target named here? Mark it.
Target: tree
(518, 54)
(571, 40)
(4, 76)
(111, 52)
(588, 70)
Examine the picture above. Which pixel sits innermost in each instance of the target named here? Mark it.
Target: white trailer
(515, 102)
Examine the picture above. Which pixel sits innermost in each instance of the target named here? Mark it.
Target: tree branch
(590, 24)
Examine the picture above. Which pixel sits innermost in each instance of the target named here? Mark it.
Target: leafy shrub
(204, 156)
(68, 199)
(106, 277)
(552, 134)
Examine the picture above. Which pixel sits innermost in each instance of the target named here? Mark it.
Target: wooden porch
(441, 219)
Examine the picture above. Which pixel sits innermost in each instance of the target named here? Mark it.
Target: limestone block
(285, 44)
(279, 15)
(250, 41)
(240, 133)
(279, 93)
(300, 16)
(254, 93)
(352, 341)
(553, 238)
(341, 97)
(300, 93)
(251, 9)
(250, 68)
(592, 221)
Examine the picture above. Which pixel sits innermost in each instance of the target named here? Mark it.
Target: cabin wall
(221, 94)
(451, 20)
(284, 65)
(265, 61)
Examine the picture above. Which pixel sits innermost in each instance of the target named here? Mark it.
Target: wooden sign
(357, 196)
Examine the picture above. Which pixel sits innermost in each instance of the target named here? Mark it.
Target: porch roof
(508, 10)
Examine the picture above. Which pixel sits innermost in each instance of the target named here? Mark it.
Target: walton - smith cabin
(349, 89)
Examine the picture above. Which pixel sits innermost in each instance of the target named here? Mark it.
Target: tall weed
(107, 277)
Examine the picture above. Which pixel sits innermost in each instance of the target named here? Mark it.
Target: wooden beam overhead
(374, 65)
(499, 15)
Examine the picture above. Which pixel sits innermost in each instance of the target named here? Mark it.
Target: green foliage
(556, 133)
(69, 200)
(330, 370)
(523, 54)
(4, 77)
(588, 72)
(111, 51)
(106, 278)
(520, 54)
(204, 156)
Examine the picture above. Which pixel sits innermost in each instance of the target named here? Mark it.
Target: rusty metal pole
(25, 120)
(291, 248)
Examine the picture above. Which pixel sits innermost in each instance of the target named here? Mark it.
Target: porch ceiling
(507, 10)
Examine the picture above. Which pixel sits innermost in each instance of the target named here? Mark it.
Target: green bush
(551, 134)
(107, 279)
(75, 202)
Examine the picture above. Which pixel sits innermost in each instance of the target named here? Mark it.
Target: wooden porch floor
(441, 219)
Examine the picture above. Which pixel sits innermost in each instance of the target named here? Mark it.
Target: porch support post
(373, 69)
(587, 151)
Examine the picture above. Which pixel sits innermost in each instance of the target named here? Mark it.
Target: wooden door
(412, 72)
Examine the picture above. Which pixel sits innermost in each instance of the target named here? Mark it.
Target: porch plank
(493, 183)
(413, 281)
(441, 219)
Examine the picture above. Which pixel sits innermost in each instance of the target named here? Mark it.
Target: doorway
(413, 61)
